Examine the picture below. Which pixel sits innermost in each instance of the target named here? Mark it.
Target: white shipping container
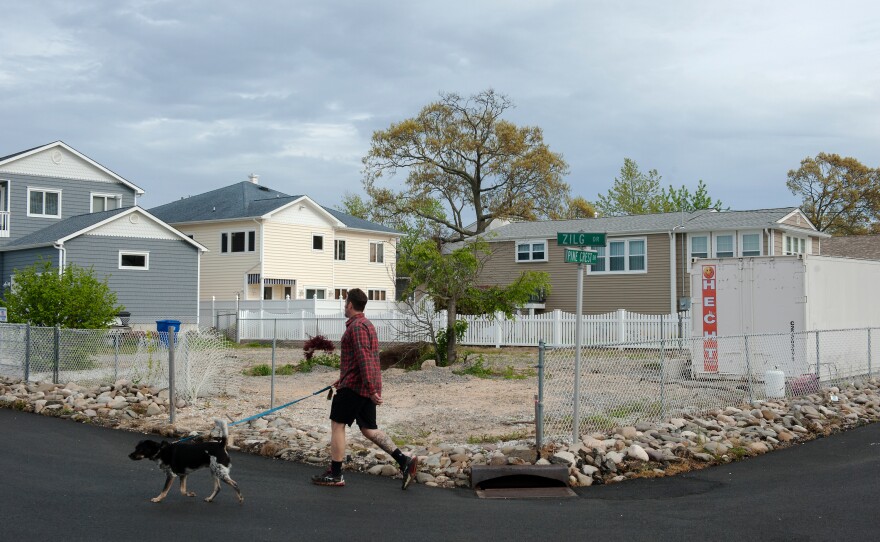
(774, 295)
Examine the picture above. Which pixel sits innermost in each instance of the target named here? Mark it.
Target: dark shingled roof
(693, 221)
(853, 246)
(62, 229)
(243, 200)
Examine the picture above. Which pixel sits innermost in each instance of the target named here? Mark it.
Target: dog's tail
(224, 430)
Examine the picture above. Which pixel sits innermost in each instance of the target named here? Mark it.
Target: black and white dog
(179, 459)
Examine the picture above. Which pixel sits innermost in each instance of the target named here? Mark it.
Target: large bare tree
(479, 167)
(840, 195)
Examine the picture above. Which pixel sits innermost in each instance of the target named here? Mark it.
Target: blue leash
(271, 410)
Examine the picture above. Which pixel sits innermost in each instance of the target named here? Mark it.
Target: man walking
(359, 391)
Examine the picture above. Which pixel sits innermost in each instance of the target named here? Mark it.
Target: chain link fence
(93, 357)
(626, 383)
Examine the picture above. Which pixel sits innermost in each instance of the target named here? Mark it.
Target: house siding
(75, 200)
(171, 280)
(646, 293)
(20, 259)
(224, 274)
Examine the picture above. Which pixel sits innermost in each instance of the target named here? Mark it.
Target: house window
(238, 241)
(621, 256)
(315, 293)
(794, 245)
(267, 292)
(376, 295)
(377, 252)
(134, 260)
(531, 251)
(105, 202)
(700, 247)
(288, 292)
(317, 242)
(724, 246)
(340, 293)
(751, 244)
(44, 203)
(339, 250)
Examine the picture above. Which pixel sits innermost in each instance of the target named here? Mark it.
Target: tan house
(265, 244)
(646, 263)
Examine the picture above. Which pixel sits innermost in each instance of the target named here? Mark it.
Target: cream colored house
(264, 244)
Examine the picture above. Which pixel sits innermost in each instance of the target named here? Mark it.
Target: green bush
(74, 298)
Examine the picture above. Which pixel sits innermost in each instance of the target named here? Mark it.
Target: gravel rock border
(644, 450)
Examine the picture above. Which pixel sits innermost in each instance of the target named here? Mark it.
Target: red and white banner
(710, 320)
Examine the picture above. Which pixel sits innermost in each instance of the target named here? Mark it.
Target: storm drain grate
(521, 482)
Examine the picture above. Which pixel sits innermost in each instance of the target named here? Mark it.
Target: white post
(499, 331)
(578, 339)
(557, 327)
(621, 327)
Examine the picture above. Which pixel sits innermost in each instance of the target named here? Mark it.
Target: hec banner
(710, 320)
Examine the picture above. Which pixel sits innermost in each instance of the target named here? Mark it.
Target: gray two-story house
(59, 205)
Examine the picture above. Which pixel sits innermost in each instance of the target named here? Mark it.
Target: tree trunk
(450, 332)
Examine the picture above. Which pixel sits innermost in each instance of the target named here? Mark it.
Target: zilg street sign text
(580, 239)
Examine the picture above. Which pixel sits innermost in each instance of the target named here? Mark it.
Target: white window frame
(376, 252)
(531, 243)
(340, 290)
(315, 289)
(106, 196)
(373, 294)
(321, 236)
(44, 191)
(604, 257)
(146, 255)
(733, 242)
(742, 244)
(336, 257)
(807, 245)
(690, 245)
(247, 237)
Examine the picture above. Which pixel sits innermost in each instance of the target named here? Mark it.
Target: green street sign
(580, 239)
(580, 256)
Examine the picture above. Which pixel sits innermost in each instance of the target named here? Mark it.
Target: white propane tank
(774, 383)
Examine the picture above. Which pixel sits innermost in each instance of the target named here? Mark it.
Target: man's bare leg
(337, 441)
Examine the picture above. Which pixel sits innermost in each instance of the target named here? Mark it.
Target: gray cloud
(183, 97)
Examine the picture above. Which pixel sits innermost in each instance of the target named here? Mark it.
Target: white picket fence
(555, 328)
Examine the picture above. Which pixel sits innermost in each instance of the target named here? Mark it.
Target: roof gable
(60, 161)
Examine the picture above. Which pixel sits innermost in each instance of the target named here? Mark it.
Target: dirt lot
(428, 406)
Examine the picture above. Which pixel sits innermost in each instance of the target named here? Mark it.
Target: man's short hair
(358, 299)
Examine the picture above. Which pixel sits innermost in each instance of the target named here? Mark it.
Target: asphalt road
(68, 481)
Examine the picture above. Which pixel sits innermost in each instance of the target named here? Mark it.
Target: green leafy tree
(74, 298)
(460, 153)
(633, 192)
(672, 200)
(638, 193)
(451, 279)
(840, 195)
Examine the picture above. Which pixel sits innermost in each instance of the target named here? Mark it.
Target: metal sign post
(579, 239)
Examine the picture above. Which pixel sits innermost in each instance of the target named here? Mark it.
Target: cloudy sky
(184, 96)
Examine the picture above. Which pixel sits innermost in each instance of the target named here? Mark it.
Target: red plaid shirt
(359, 368)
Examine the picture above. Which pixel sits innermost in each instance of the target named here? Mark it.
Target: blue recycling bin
(162, 326)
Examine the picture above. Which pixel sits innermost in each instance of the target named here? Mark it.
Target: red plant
(318, 342)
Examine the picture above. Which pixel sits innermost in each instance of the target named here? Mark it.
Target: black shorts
(349, 407)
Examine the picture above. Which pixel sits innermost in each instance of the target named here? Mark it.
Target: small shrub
(316, 343)
(259, 370)
(484, 438)
(327, 360)
(477, 369)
